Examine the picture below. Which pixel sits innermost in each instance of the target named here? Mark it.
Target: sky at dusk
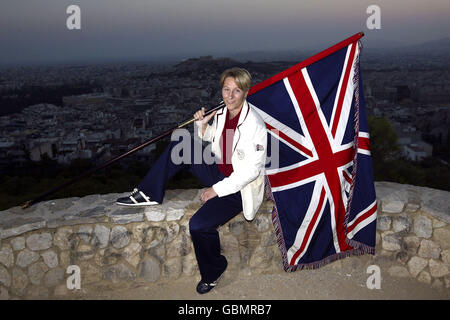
(34, 31)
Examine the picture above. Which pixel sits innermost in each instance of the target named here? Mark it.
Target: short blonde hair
(241, 76)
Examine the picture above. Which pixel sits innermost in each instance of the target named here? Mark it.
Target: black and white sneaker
(136, 199)
(204, 287)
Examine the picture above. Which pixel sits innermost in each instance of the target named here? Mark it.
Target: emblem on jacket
(259, 147)
(240, 154)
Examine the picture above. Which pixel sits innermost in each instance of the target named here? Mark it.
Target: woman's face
(233, 96)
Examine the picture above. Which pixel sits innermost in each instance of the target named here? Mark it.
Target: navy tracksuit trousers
(203, 224)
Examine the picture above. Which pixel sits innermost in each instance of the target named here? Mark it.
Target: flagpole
(114, 160)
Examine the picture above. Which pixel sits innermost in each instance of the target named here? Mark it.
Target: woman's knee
(202, 221)
(195, 225)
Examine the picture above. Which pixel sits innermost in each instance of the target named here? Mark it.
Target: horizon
(36, 34)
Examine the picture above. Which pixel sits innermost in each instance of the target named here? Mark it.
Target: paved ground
(344, 279)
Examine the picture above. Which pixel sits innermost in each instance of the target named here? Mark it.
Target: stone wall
(117, 246)
(413, 232)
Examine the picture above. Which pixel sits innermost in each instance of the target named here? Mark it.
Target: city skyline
(114, 30)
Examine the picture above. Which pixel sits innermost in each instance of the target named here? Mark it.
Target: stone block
(61, 238)
(53, 277)
(391, 241)
(442, 236)
(26, 257)
(428, 249)
(384, 223)
(50, 258)
(437, 268)
(150, 270)
(6, 256)
(18, 243)
(39, 241)
(5, 277)
(36, 272)
(101, 236)
(131, 253)
(423, 227)
(120, 237)
(424, 277)
(119, 272)
(392, 206)
(173, 268)
(19, 282)
(446, 257)
(416, 265)
(155, 213)
(411, 243)
(402, 224)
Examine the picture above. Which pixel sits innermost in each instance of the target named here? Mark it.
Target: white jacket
(248, 157)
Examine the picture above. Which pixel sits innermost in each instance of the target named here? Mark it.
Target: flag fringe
(358, 247)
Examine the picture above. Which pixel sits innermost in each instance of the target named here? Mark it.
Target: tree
(383, 140)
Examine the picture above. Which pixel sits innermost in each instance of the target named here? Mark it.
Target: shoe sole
(143, 204)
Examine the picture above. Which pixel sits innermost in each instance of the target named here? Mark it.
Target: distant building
(37, 153)
(417, 151)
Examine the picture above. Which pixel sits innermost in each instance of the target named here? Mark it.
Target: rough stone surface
(101, 236)
(6, 256)
(53, 277)
(119, 237)
(26, 257)
(392, 241)
(18, 243)
(5, 277)
(423, 227)
(392, 206)
(40, 241)
(61, 238)
(416, 265)
(50, 258)
(429, 249)
(119, 272)
(424, 277)
(19, 281)
(384, 223)
(150, 270)
(155, 213)
(442, 236)
(36, 272)
(402, 224)
(437, 268)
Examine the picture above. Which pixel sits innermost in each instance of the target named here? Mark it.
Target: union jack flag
(324, 197)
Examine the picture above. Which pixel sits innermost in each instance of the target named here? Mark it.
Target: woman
(235, 182)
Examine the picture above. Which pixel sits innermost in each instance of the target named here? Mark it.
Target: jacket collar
(244, 112)
(221, 116)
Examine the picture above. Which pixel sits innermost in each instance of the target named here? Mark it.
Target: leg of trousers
(167, 166)
(203, 228)
(203, 224)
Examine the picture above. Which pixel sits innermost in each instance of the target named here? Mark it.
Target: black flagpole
(111, 161)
